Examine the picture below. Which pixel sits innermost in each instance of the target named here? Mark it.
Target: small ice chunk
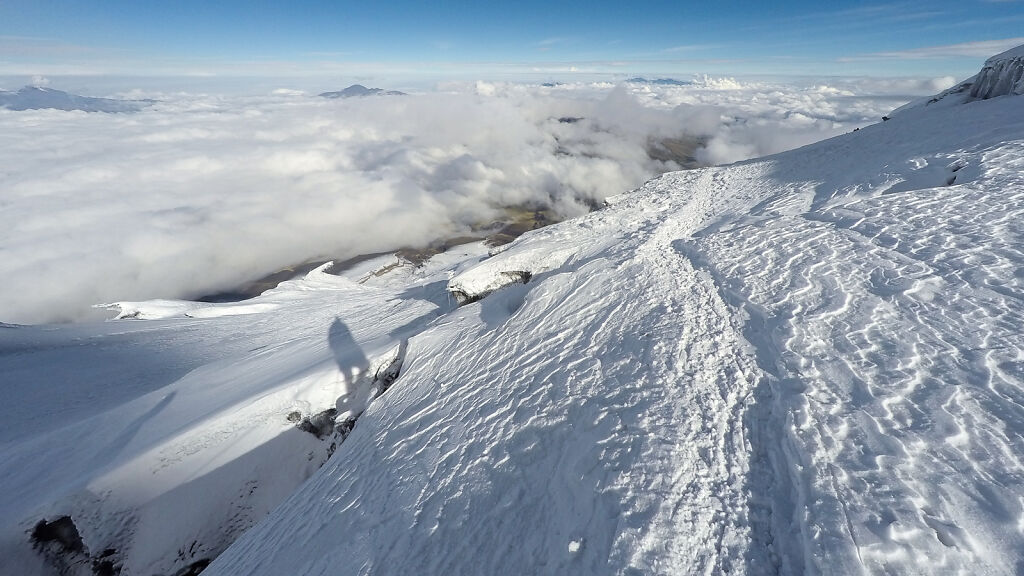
(575, 545)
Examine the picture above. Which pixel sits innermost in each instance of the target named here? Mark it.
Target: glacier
(809, 363)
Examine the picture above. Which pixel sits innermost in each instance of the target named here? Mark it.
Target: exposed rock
(320, 424)
(62, 532)
(194, 569)
(503, 279)
(61, 545)
(1002, 75)
(106, 564)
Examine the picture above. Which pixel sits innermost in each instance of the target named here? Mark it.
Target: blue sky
(937, 37)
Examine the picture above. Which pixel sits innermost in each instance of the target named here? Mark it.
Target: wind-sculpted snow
(1002, 75)
(892, 323)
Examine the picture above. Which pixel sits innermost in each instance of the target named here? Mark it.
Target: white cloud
(741, 120)
(548, 42)
(981, 49)
(201, 193)
(688, 48)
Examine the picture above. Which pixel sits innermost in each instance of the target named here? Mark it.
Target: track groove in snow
(895, 348)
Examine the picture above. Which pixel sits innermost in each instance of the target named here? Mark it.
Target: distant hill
(661, 81)
(358, 91)
(34, 97)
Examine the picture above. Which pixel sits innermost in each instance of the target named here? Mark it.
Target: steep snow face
(1002, 75)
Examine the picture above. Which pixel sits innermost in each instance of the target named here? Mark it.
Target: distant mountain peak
(660, 81)
(39, 97)
(358, 91)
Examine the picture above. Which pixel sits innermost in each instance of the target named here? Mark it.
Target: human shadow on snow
(348, 355)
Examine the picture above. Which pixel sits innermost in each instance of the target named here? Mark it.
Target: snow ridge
(1002, 75)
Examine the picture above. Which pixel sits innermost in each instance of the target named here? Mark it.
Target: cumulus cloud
(201, 193)
(741, 120)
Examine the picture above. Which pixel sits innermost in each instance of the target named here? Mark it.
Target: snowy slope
(1002, 75)
(164, 439)
(806, 364)
(811, 363)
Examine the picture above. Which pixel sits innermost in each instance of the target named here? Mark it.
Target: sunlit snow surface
(812, 363)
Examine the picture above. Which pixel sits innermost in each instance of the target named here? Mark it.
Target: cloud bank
(200, 193)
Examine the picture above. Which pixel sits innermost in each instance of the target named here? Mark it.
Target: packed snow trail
(908, 357)
(896, 322)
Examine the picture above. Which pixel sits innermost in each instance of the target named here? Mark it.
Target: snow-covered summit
(1001, 75)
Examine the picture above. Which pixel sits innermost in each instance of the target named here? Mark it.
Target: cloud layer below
(201, 193)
